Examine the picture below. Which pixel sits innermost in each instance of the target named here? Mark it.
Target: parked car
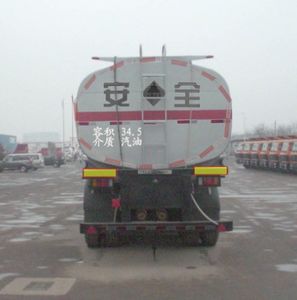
(22, 162)
(37, 160)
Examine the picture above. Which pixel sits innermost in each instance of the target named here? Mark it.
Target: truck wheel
(209, 238)
(92, 240)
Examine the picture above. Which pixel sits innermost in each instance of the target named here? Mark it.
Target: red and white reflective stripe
(84, 143)
(228, 123)
(217, 121)
(183, 121)
(154, 115)
(195, 114)
(225, 93)
(147, 59)
(151, 115)
(178, 62)
(110, 116)
(117, 65)
(146, 167)
(178, 163)
(99, 228)
(90, 82)
(75, 111)
(208, 76)
(206, 151)
(112, 161)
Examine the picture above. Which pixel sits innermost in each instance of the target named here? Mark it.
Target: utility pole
(72, 119)
(244, 125)
(63, 129)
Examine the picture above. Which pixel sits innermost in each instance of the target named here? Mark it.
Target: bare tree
(262, 130)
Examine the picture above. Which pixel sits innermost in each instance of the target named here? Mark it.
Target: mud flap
(97, 205)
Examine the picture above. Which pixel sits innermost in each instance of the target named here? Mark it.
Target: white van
(37, 160)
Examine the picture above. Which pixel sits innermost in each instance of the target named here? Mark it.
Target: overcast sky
(45, 50)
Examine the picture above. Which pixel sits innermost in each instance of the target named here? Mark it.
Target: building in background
(41, 137)
(7, 144)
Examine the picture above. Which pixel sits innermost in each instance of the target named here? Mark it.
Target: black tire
(209, 203)
(209, 238)
(92, 240)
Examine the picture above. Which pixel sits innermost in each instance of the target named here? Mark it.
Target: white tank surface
(153, 113)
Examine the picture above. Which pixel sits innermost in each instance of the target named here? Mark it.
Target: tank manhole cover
(38, 286)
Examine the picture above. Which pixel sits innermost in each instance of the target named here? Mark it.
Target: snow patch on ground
(17, 240)
(68, 259)
(292, 268)
(4, 275)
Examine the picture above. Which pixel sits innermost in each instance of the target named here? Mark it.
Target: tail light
(91, 230)
(209, 181)
(101, 182)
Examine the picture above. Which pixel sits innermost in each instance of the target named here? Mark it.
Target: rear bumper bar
(197, 226)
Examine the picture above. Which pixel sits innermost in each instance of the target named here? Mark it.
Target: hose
(202, 212)
(115, 214)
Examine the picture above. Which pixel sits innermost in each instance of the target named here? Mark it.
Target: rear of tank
(146, 125)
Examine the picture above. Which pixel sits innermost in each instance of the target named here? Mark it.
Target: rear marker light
(99, 173)
(104, 182)
(209, 181)
(160, 227)
(141, 228)
(211, 171)
(91, 230)
(221, 228)
(180, 227)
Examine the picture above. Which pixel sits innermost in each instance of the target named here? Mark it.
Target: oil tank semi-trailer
(154, 130)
